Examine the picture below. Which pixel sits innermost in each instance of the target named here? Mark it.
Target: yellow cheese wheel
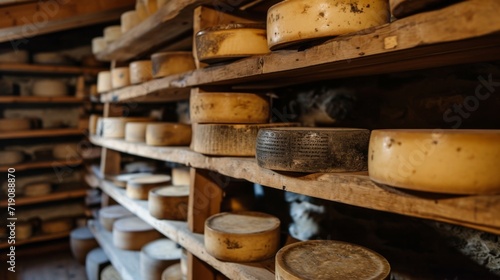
(66, 151)
(156, 256)
(139, 187)
(37, 189)
(443, 161)
(23, 230)
(228, 139)
(110, 273)
(57, 225)
(98, 45)
(120, 77)
(330, 260)
(292, 21)
(308, 149)
(17, 56)
(108, 215)
(169, 203)
(168, 134)
(170, 63)
(181, 176)
(242, 236)
(14, 124)
(128, 20)
(226, 42)
(173, 272)
(122, 179)
(133, 233)
(49, 88)
(82, 241)
(93, 124)
(114, 127)
(136, 131)
(140, 71)
(225, 107)
(104, 81)
(95, 262)
(11, 157)
(112, 33)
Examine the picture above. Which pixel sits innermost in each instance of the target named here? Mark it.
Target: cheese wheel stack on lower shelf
(82, 241)
(133, 233)
(157, 256)
(109, 215)
(139, 187)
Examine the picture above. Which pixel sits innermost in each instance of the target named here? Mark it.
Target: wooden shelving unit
(55, 196)
(36, 239)
(19, 68)
(41, 164)
(36, 99)
(39, 133)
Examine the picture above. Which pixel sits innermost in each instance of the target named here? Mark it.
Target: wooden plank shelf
(479, 212)
(194, 243)
(37, 239)
(41, 164)
(41, 133)
(466, 32)
(23, 68)
(37, 99)
(55, 196)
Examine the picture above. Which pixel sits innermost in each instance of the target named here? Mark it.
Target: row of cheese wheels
(60, 151)
(28, 228)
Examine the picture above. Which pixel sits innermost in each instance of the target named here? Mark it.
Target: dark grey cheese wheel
(305, 149)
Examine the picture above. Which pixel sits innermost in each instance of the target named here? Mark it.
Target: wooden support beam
(199, 270)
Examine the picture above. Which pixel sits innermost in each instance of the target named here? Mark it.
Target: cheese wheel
(310, 149)
(23, 230)
(173, 272)
(293, 21)
(122, 179)
(104, 81)
(128, 20)
(95, 262)
(37, 189)
(136, 132)
(169, 203)
(52, 58)
(224, 107)
(109, 215)
(404, 8)
(57, 225)
(11, 157)
(114, 127)
(98, 45)
(156, 256)
(226, 42)
(228, 139)
(120, 77)
(110, 273)
(168, 134)
(181, 176)
(93, 124)
(49, 88)
(242, 236)
(133, 233)
(139, 187)
(140, 71)
(14, 124)
(442, 161)
(66, 151)
(329, 260)
(17, 56)
(112, 33)
(170, 63)
(82, 241)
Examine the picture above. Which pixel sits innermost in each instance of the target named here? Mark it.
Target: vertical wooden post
(199, 270)
(110, 160)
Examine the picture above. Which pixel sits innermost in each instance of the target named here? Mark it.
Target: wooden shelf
(41, 164)
(40, 133)
(466, 32)
(48, 69)
(55, 196)
(194, 243)
(37, 99)
(479, 212)
(36, 239)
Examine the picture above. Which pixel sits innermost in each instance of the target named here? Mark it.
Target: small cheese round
(140, 71)
(181, 176)
(139, 187)
(11, 157)
(225, 107)
(37, 189)
(112, 33)
(228, 139)
(109, 215)
(226, 42)
(95, 262)
(442, 161)
(133, 233)
(169, 203)
(120, 77)
(23, 230)
(98, 45)
(329, 260)
(114, 127)
(308, 149)
(168, 134)
(14, 124)
(122, 179)
(51, 58)
(49, 88)
(57, 225)
(104, 81)
(293, 21)
(82, 241)
(110, 273)
(93, 124)
(128, 20)
(156, 256)
(66, 151)
(17, 56)
(173, 272)
(170, 63)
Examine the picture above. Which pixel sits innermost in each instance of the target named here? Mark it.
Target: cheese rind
(224, 107)
(66, 151)
(169, 203)
(16, 56)
(82, 241)
(23, 230)
(133, 233)
(156, 256)
(93, 124)
(95, 262)
(114, 127)
(110, 273)
(181, 176)
(168, 134)
(136, 131)
(56, 225)
(11, 157)
(140, 71)
(139, 187)
(122, 179)
(128, 20)
(13, 124)
(442, 161)
(120, 77)
(170, 63)
(37, 189)
(99, 44)
(109, 215)
(292, 21)
(49, 88)
(308, 149)
(104, 81)
(339, 260)
(112, 33)
(173, 272)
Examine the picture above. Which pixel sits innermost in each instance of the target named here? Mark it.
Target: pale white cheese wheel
(170, 63)
(169, 203)
(140, 71)
(309, 149)
(120, 77)
(156, 256)
(52, 58)
(82, 241)
(330, 260)
(139, 187)
(168, 134)
(442, 161)
(11, 157)
(108, 215)
(95, 262)
(173, 272)
(225, 107)
(132, 233)
(114, 127)
(93, 124)
(293, 21)
(49, 88)
(57, 225)
(23, 230)
(181, 176)
(242, 236)
(104, 81)
(128, 20)
(14, 124)
(98, 45)
(17, 56)
(136, 131)
(37, 189)
(122, 179)
(231, 41)
(66, 151)
(228, 139)
(110, 273)
(112, 33)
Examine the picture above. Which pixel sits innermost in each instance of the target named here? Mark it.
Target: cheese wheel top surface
(152, 179)
(114, 211)
(179, 190)
(162, 249)
(330, 260)
(132, 224)
(127, 177)
(243, 222)
(82, 233)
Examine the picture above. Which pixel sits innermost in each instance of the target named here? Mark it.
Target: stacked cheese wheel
(133, 233)
(82, 241)
(114, 127)
(157, 256)
(109, 215)
(139, 187)
(170, 202)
